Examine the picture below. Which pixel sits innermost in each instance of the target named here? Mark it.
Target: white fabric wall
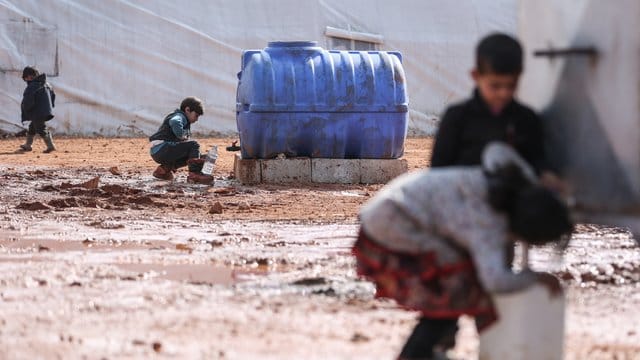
(119, 65)
(590, 105)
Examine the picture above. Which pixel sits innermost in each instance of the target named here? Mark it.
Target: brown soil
(131, 160)
(100, 260)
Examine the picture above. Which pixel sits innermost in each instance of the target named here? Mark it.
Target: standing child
(493, 114)
(37, 106)
(172, 147)
(440, 241)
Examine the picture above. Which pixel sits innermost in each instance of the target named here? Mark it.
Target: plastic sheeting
(118, 66)
(590, 104)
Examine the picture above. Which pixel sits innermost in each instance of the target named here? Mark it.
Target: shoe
(437, 355)
(195, 165)
(27, 144)
(49, 141)
(448, 339)
(199, 178)
(163, 172)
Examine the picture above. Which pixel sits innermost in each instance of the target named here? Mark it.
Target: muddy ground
(100, 260)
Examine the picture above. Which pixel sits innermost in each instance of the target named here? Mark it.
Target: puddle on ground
(595, 255)
(191, 273)
(64, 246)
(271, 256)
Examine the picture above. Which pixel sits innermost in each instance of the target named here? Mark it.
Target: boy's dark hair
(30, 71)
(535, 214)
(499, 54)
(193, 103)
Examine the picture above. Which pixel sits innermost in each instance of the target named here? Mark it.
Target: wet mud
(101, 260)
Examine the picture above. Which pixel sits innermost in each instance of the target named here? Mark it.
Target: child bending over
(440, 241)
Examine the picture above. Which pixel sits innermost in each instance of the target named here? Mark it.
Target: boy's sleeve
(486, 240)
(490, 259)
(446, 145)
(177, 127)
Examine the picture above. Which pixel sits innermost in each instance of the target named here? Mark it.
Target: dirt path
(131, 267)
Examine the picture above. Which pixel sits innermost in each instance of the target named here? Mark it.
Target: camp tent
(119, 65)
(585, 82)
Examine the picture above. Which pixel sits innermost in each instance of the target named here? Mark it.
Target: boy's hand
(552, 182)
(550, 282)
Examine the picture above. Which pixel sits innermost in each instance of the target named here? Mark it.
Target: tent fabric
(118, 66)
(589, 104)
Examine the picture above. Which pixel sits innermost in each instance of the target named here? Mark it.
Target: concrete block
(292, 170)
(380, 171)
(247, 171)
(306, 170)
(335, 171)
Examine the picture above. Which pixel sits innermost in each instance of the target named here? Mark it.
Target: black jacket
(466, 128)
(38, 100)
(166, 133)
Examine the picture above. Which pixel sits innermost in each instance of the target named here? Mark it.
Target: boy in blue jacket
(37, 106)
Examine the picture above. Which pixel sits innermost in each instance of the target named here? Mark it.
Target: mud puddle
(60, 190)
(293, 293)
(54, 246)
(198, 274)
(258, 247)
(595, 255)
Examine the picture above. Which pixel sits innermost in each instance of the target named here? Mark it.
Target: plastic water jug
(530, 326)
(210, 161)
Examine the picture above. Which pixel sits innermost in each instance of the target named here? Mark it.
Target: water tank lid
(292, 44)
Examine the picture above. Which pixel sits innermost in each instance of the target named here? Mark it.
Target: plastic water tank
(298, 99)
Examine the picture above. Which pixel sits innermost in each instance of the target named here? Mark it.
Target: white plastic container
(530, 327)
(210, 161)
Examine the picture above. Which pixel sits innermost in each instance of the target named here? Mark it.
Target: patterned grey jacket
(446, 210)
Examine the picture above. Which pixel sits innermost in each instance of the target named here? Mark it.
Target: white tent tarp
(119, 65)
(589, 101)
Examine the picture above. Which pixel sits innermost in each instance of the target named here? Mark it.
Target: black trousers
(38, 127)
(428, 334)
(175, 155)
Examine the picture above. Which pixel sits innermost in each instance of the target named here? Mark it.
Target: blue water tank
(298, 99)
